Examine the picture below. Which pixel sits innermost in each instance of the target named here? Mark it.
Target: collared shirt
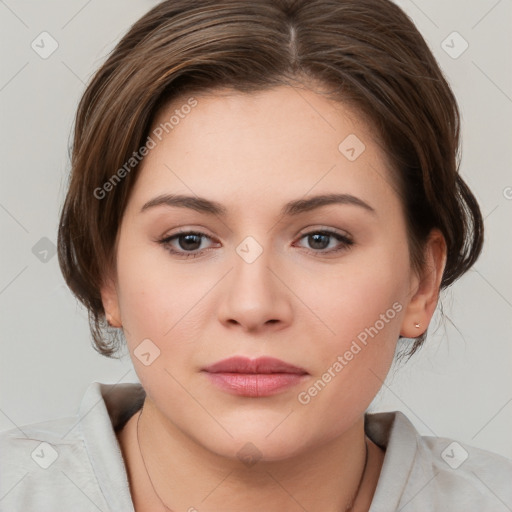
(75, 464)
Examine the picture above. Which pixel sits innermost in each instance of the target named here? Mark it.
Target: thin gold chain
(349, 509)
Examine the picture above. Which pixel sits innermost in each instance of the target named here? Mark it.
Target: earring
(417, 325)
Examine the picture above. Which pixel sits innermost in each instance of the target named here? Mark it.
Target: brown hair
(367, 52)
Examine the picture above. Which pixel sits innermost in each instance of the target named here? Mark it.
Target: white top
(75, 464)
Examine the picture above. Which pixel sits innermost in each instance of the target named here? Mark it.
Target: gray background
(458, 386)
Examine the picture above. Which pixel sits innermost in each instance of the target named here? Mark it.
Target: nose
(254, 294)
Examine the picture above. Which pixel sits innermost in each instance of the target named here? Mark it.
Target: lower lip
(255, 384)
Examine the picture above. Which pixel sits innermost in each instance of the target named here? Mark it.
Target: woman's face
(269, 271)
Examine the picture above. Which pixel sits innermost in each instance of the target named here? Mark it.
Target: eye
(319, 241)
(188, 244)
(185, 243)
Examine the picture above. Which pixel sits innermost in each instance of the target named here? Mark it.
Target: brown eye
(190, 242)
(319, 241)
(186, 243)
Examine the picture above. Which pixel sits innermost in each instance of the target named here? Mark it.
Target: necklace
(349, 509)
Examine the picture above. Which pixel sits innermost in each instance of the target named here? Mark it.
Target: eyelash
(345, 241)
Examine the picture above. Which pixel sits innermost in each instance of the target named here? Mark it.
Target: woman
(264, 198)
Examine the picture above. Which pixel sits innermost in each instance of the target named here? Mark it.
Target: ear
(110, 301)
(424, 289)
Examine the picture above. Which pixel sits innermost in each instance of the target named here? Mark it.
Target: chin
(257, 441)
(249, 451)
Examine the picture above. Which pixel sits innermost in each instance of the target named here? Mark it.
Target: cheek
(162, 301)
(149, 298)
(365, 293)
(362, 308)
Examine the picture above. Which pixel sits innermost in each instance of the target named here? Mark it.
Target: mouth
(264, 376)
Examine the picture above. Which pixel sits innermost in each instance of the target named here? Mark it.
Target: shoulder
(474, 478)
(428, 473)
(71, 463)
(45, 456)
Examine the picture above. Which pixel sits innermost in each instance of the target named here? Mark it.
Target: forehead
(247, 145)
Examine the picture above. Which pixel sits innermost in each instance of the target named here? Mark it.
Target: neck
(177, 471)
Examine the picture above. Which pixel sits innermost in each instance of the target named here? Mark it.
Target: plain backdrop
(458, 386)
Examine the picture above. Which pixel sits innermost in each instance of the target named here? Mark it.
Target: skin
(253, 153)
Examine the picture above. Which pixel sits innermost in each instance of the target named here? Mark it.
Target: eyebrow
(292, 208)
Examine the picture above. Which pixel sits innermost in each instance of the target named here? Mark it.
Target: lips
(261, 365)
(264, 376)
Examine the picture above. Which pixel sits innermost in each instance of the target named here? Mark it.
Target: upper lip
(238, 364)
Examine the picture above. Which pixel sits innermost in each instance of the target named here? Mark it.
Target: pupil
(189, 240)
(316, 241)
